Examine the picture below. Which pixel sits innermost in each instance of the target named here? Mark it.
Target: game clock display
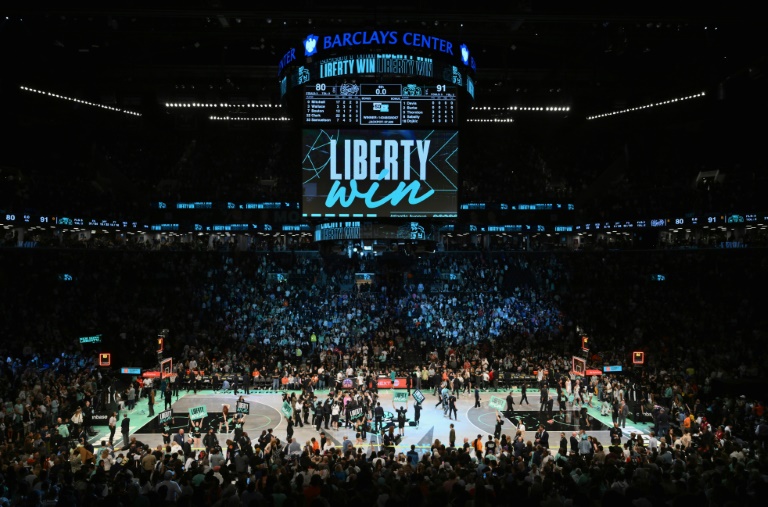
(385, 105)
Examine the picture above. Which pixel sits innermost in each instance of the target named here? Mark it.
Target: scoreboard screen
(392, 173)
(380, 105)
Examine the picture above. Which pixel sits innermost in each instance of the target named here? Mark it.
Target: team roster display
(380, 173)
(405, 105)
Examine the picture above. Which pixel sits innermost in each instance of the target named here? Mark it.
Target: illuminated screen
(383, 105)
(380, 173)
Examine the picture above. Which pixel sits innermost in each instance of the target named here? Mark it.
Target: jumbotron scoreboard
(380, 114)
(381, 105)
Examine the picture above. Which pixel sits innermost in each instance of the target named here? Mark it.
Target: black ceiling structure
(593, 60)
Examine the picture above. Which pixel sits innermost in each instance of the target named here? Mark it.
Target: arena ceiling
(592, 59)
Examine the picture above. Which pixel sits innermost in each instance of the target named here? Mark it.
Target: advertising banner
(386, 383)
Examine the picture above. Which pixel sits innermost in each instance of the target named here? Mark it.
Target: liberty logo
(411, 230)
(375, 160)
(303, 75)
(411, 89)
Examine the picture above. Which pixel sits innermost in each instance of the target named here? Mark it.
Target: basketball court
(264, 412)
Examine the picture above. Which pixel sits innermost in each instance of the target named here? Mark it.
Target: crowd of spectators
(281, 308)
(300, 314)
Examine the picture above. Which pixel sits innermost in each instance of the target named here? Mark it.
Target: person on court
(401, 418)
(499, 424)
(524, 398)
(510, 404)
(452, 410)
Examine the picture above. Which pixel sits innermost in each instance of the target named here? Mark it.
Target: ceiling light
(80, 101)
(646, 106)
